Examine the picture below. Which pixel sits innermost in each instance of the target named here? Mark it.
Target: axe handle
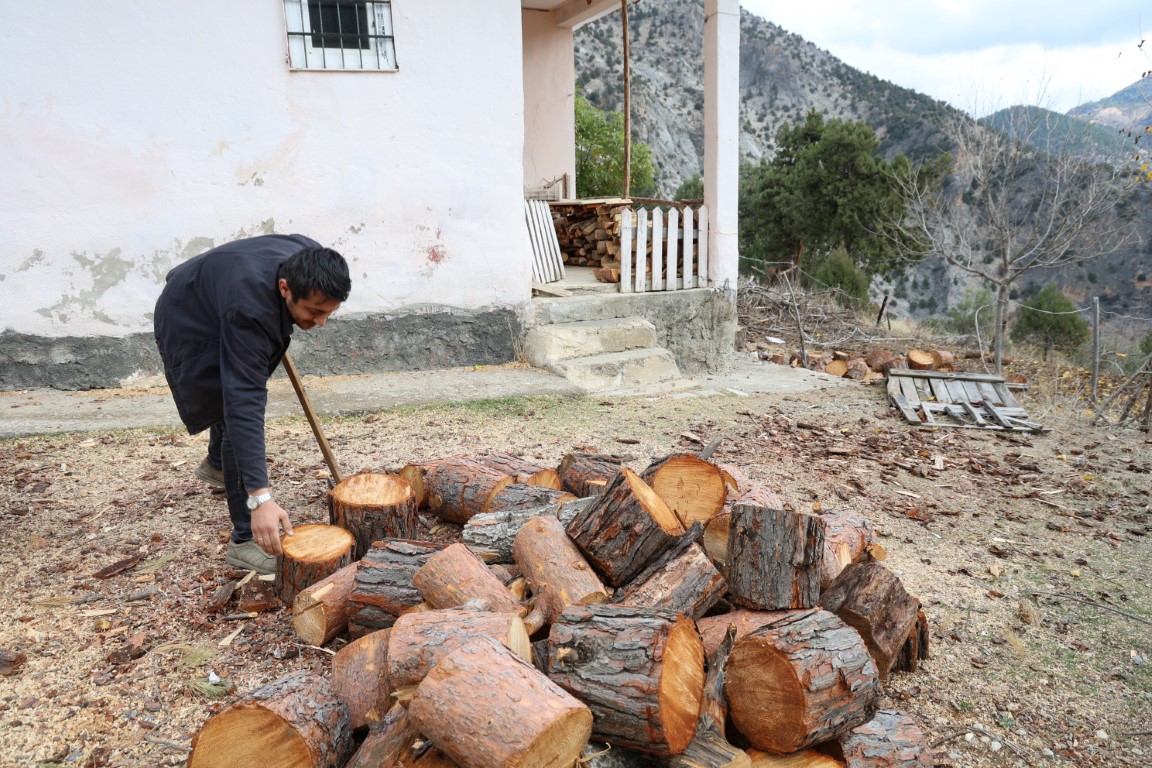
(329, 458)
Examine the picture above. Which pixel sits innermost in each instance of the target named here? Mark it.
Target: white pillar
(722, 137)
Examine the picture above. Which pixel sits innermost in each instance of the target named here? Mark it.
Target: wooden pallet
(963, 400)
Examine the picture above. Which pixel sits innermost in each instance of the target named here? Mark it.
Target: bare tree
(1010, 208)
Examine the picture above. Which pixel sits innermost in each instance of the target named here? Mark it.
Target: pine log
(870, 598)
(879, 359)
(556, 572)
(640, 670)
(735, 480)
(485, 708)
(373, 507)
(889, 740)
(715, 538)
(491, 534)
(360, 678)
(320, 612)
(836, 368)
(292, 722)
(624, 529)
(586, 474)
(714, 628)
(919, 360)
(942, 359)
(848, 538)
(800, 681)
(313, 552)
(460, 487)
(415, 475)
(775, 557)
(523, 472)
(522, 496)
(418, 641)
(454, 575)
(384, 588)
(858, 370)
(389, 744)
(694, 489)
(433, 758)
(687, 582)
(915, 648)
(709, 747)
(805, 758)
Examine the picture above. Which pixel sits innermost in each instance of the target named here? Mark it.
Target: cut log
(320, 612)
(775, 557)
(557, 573)
(389, 744)
(586, 474)
(384, 588)
(694, 489)
(880, 359)
(520, 496)
(454, 575)
(415, 475)
(625, 528)
(293, 722)
(374, 507)
(418, 641)
(709, 748)
(522, 471)
(890, 740)
(360, 678)
(434, 758)
(848, 538)
(220, 597)
(735, 480)
(870, 599)
(858, 370)
(800, 681)
(313, 552)
(485, 708)
(805, 758)
(686, 582)
(943, 360)
(715, 538)
(491, 534)
(915, 648)
(836, 367)
(640, 670)
(460, 487)
(714, 628)
(919, 360)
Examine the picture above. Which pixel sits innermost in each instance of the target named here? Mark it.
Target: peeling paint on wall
(36, 259)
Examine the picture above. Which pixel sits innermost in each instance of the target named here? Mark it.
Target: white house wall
(137, 134)
(549, 96)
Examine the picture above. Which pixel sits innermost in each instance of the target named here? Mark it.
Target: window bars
(340, 34)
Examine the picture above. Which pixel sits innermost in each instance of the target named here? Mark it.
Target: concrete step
(633, 371)
(546, 345)
(605, 306)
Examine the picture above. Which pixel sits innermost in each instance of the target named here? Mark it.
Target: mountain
(1051, 131)
(1128, 110)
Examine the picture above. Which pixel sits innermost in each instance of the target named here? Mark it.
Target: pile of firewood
(675, 612)
(874, 365)
(589, 232)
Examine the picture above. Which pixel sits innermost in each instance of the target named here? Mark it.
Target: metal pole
(627, 104)
(1095, 344)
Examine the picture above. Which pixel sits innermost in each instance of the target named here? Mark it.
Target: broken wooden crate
(964, 400)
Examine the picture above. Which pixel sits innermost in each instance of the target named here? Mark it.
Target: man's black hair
(317, 269)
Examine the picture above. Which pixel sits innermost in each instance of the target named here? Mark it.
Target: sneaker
(210, 474)
(249, 556)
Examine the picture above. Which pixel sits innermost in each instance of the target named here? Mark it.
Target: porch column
(722, 138)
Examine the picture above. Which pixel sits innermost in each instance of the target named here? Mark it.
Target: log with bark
(683, 580)
(872, 600)
(373, 507)
(693, 488)
(800, 681)
(805, 758)
(848, 538)
(915, 648)
(454, 576)
(485, 708)
(313, 552)
(519, 496)
(258, 596)
(292, 722)
(360, 678)
(587, 474)
(384, 588)
(491, 534)
(775, 557)
(418, 641)
(389, 743)
(320, 612)
(640, 670)
(889, 740)
(556, 572)
(460, 487)
(743, 622)
(920, 360)
(522, 471)
(625, 528)
(716, 530)
(709, 747)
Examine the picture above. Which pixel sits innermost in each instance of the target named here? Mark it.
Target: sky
(981, 55)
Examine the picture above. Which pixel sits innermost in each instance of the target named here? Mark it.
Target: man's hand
(267, 519)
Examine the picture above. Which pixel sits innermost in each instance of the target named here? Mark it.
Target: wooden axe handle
(325, 448)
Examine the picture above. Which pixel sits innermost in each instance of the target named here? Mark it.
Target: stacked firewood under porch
(675, 611)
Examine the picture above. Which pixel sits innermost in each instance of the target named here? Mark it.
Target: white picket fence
(679, 241)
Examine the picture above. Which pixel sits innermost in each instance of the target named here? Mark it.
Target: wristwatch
(257, 500)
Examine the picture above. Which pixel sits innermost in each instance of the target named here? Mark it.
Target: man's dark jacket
(222, 327)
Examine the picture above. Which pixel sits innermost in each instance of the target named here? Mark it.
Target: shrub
(1050, 320)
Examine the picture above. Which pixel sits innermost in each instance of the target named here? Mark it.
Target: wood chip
(118, 567)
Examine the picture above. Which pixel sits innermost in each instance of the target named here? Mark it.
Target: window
(340, 34)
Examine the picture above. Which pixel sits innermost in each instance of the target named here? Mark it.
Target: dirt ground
(1030, 554)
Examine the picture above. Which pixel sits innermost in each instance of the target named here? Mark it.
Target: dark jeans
(237, 496)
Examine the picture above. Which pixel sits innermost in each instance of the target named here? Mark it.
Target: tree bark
(374, 507)
(587, 474)
(519, 496)
(848, 538)
(557, 573)
(461, 487)
(384, 588)
(870, 599)
(889, 740)
(687, 583)
(775, 558)
(714, 628)
(485, 708)
(293, 722)
(694, 489)
(522, 471)
(915, 648)
(710, 748)
(320, 612)
(640, 670)
(624, 529)
(800, 681)
(360, 679)
(389, 743)
(313, 552)
(491, 534)
(805, 758)
(453, 576)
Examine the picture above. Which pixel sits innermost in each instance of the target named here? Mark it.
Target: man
(223, 323)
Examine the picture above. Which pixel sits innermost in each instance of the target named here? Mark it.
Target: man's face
(310, 311)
